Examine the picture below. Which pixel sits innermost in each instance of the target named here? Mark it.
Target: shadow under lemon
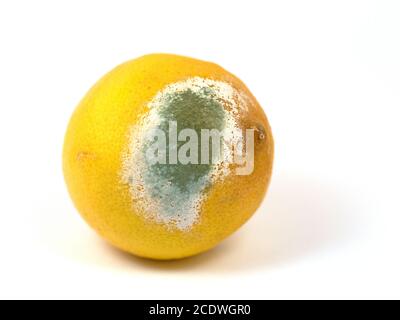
(300, 217)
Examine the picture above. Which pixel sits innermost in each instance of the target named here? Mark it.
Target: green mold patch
(190, 111)
(176, 186)
(172, 192)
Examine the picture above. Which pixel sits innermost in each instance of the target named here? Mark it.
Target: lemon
(167, 155)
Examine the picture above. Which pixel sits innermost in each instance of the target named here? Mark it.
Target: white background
(328, 76)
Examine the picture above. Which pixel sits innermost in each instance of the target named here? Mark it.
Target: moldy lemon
(166, 156)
